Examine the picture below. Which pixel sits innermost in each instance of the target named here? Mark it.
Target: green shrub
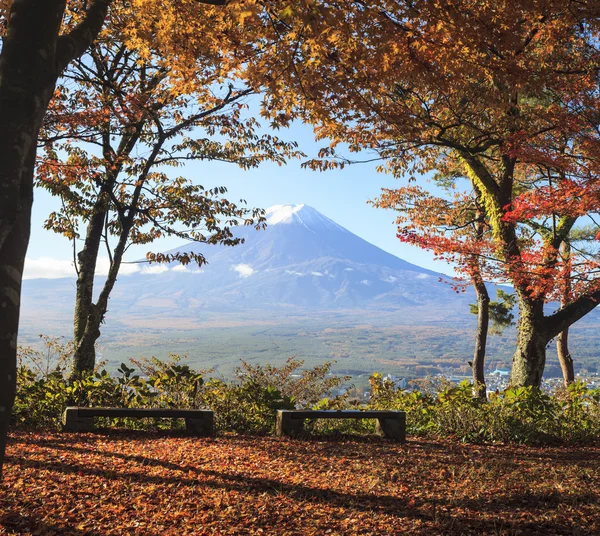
(42, 390)
(170, 384)
(580, 412)
(522, 415)
(385, 395)
(306, 387)
(249, 405)
(40, 400)
(245, 408)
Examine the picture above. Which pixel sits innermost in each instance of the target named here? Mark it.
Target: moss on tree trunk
(529, 358)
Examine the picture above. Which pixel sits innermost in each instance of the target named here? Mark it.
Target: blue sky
(341, 195)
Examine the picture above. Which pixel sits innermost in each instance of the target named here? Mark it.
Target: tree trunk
(88, 315)
(562, 340)
(529, 359)
(27, 80)
(483, 318)
(483, 307)
(564, 357)
(86, 325)
(12, 258)
(32, 57)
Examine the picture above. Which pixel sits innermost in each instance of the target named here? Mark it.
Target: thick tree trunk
(12, 258)
(13, 249)
(27, 80)
(483, 318)
(33, 56)
(529, 359)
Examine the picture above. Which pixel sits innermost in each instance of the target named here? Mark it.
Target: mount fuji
(302, 259)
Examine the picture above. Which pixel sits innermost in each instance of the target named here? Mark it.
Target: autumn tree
(117, 123)
(583, 240)
(493, 87)
(36, 48)
(38, 41)
(454, 227)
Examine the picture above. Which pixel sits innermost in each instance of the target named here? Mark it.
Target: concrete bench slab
(198, 422)
(390, 424)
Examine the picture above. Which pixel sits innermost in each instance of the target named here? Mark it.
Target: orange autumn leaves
(155, 484)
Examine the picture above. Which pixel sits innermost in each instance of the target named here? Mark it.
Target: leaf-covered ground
(145, 483)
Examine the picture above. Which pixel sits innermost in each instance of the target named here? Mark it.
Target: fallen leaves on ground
(151, 483)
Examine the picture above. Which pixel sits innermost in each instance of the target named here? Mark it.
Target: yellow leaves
(287, 12)
(243, 15)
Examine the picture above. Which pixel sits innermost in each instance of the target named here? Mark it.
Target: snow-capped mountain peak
(303, 215)
(282, 213)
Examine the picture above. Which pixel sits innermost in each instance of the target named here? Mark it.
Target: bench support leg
(393, 428)
(286, 426)
(200, 427)
(72, 422)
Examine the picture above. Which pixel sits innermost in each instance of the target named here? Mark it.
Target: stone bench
(390, 424)
(198, 422)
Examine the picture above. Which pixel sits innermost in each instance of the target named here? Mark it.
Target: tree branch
(572, 312)
(72, 45)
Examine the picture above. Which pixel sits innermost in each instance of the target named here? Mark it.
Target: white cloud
(186, 269)
(245, 270)
(50, 268)
(291, 272)
(423, 276)
(348, 269)
(366, 282)
(317, 274)
(155, 269)
(390, 279)
(125, 268)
